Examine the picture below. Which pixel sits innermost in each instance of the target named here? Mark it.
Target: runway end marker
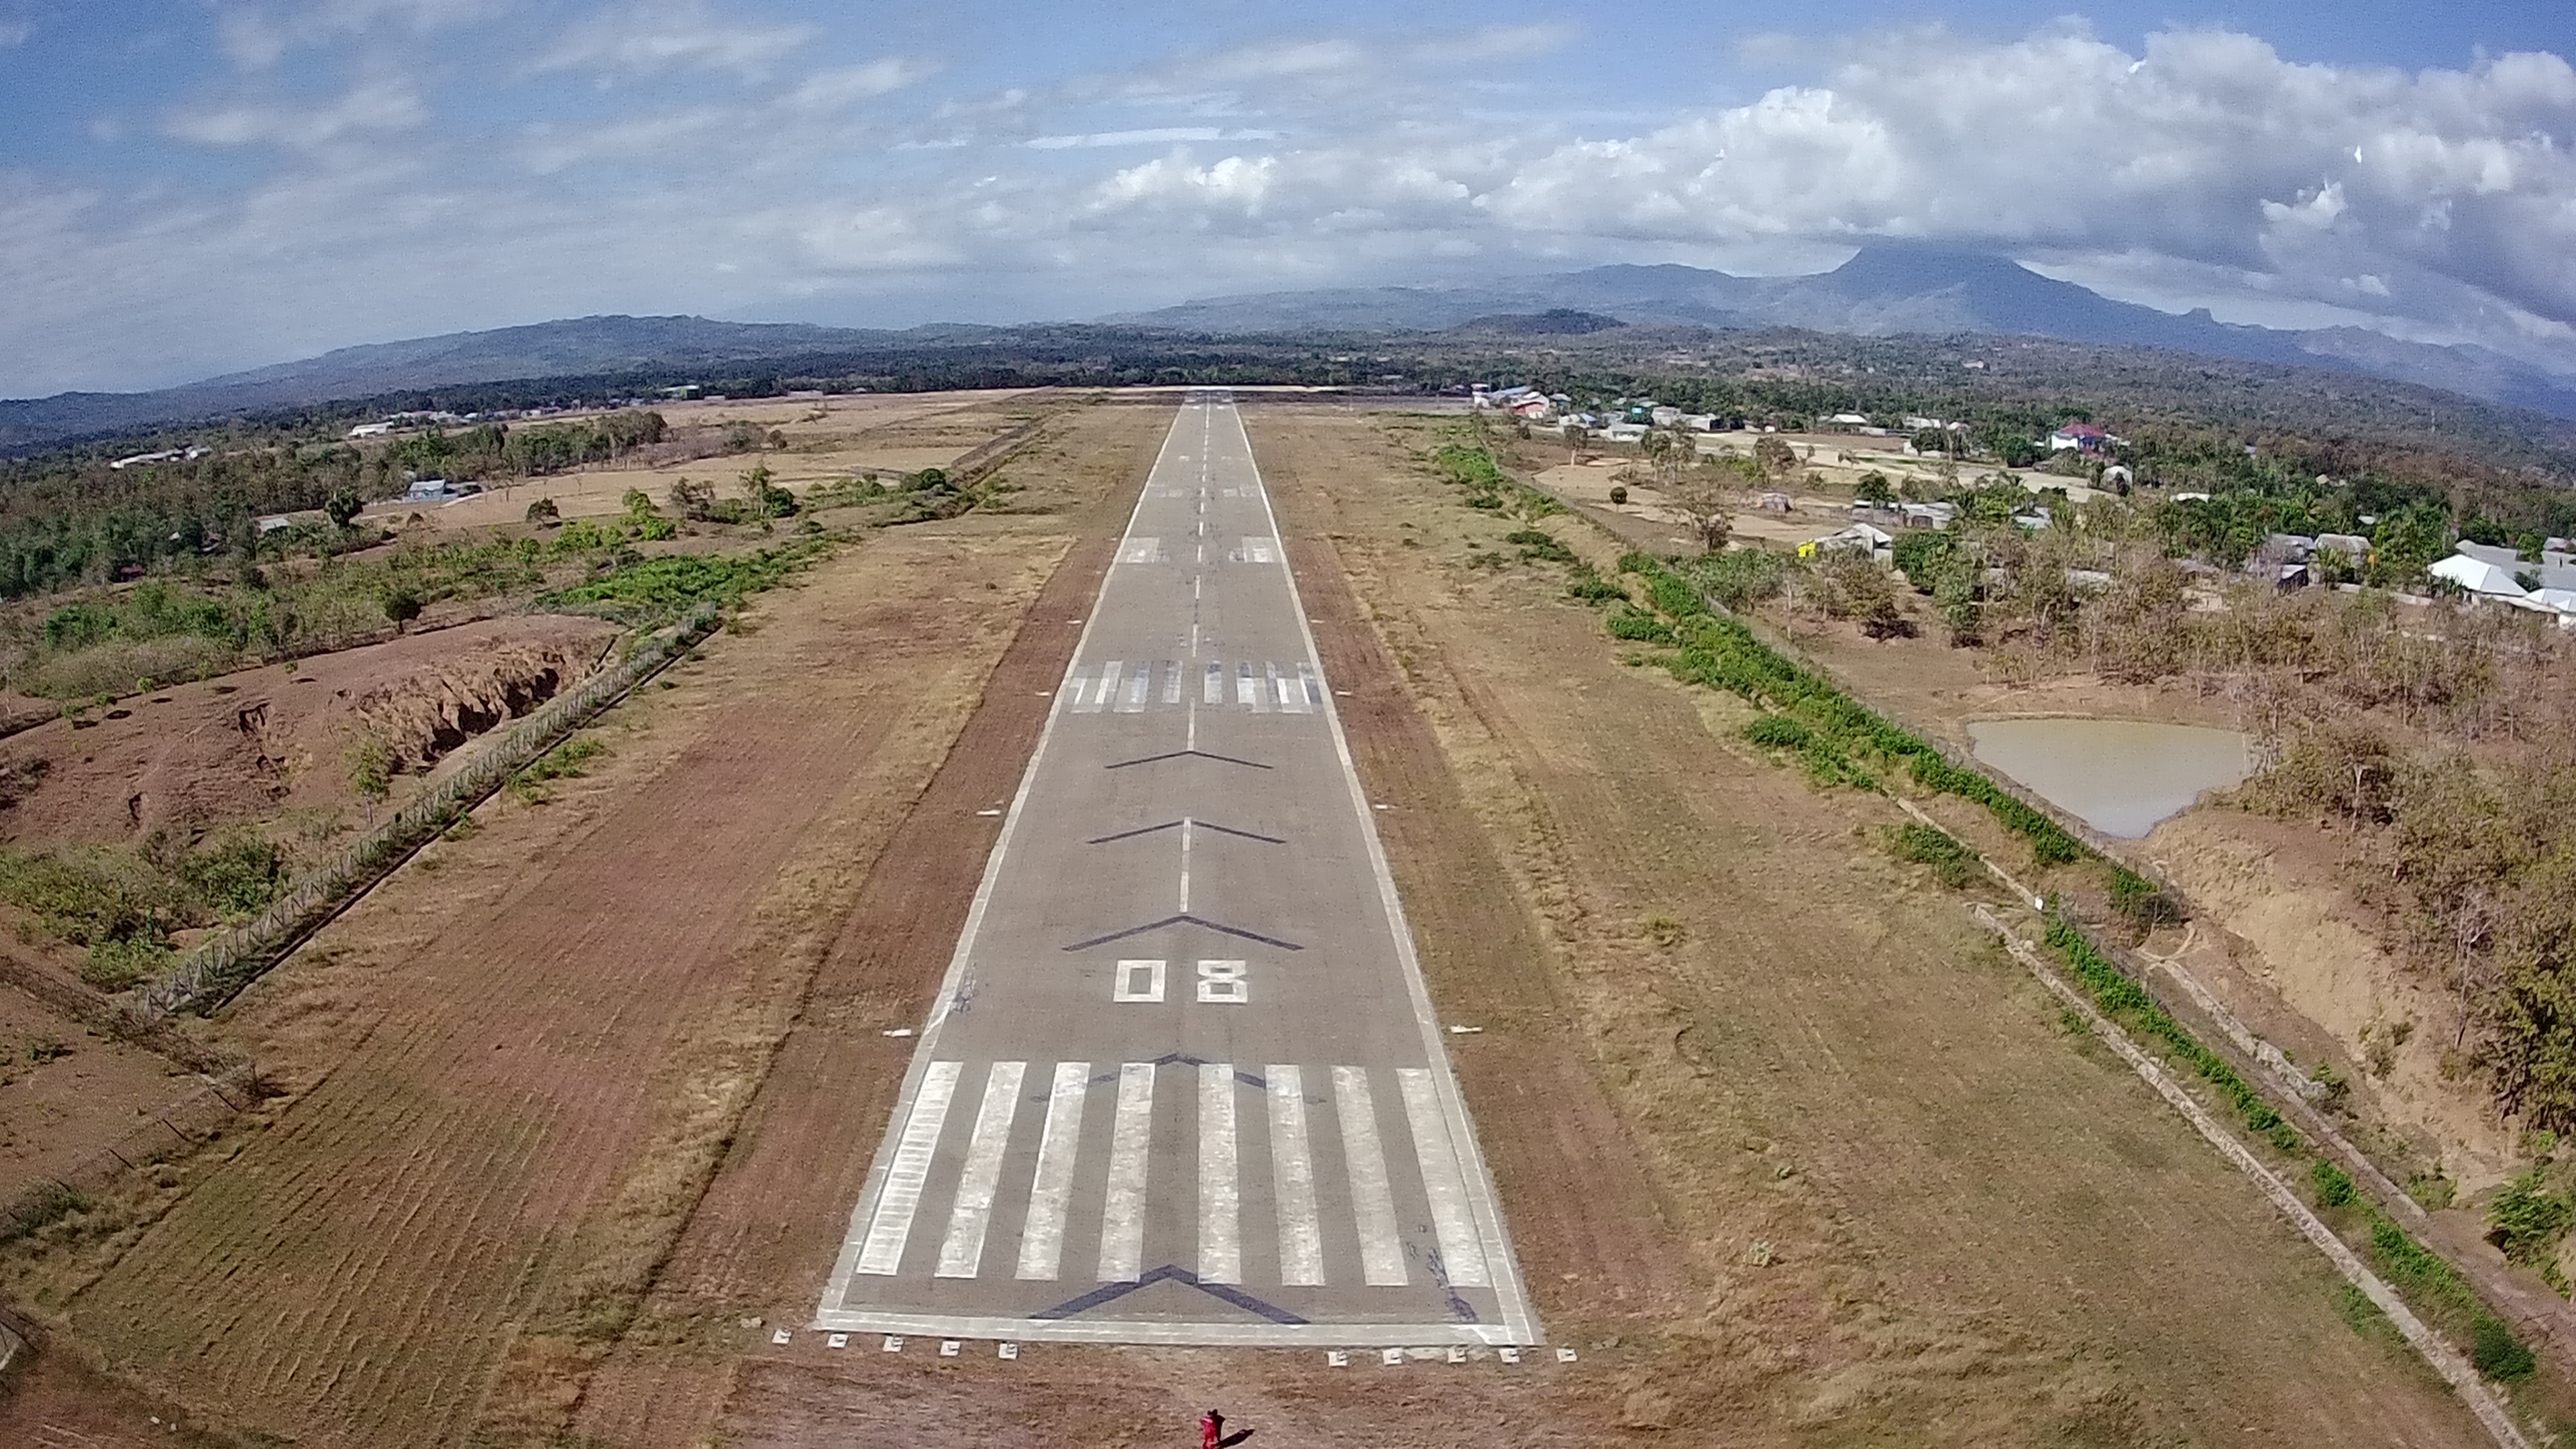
(988, 812)
(838, 1340)
(1390, 1355)
(1337, 1358)
(893, 1343)
(948, 1347)
(1466, 1031)
(1457, 1354)
(1008, 1350)
(1381, 807)
(897, 1031)
(783, 1337)
(1565, 1355)
(1508, 1355)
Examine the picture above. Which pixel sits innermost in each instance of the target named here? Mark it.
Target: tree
(402, 606)
(544, 514)
(1775, 456)
(693, 501)
(1705, 504)
(343, 506)
(1576, 435)
(1873, 487)
(1856, 588)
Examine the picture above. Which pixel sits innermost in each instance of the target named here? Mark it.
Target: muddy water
(2118, 776)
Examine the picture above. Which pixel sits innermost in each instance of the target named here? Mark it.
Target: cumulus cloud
(2200, 168)
(2207, 148)
(646, 39)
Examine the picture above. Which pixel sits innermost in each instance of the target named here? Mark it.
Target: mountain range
(1884, 290)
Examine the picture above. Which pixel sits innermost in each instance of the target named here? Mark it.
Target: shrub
(1628, 622)
(1778, 731)
(1618, 493)
(1921, 554)
(1741, 578)
(2333, 1185)
(2140, 901)
(1538, 543)
(2497, 1353)
(2527, 1220)
(1953, 863)
(544, 514)
(235, 874)
(1589, 587)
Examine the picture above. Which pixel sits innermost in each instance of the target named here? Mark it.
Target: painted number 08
(1221, 983)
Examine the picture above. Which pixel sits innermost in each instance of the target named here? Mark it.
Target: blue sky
(189, 188)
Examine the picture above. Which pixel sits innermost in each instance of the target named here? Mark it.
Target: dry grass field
(576, 1103)
(510, 1071)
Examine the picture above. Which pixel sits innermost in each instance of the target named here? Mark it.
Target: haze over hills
(1884, 290)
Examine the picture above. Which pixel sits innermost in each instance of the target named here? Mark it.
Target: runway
(1182, 1083)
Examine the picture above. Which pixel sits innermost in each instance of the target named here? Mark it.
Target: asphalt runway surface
(1182, 1083)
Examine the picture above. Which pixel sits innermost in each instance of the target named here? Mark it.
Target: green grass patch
(656, 588)
(1953, 863)
(2127, 1003)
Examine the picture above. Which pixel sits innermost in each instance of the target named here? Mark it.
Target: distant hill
(579, 347)
(1886, 289)
(1555, 322)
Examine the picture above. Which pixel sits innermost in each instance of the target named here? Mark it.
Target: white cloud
(832, 90)
(2209, 147)
(2201, 170)
(1157, 136)
(257, 36)
(646, 39)
(384, 104)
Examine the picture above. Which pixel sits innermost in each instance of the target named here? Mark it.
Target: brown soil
(772, 1220)
(51, 1400)
(247, 746)
(512, 1070)
(827, 439)
(1818, 1167)
(1978, 1229)
(57, 1109)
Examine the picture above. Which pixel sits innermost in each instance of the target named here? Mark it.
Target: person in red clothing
(1211, 1429)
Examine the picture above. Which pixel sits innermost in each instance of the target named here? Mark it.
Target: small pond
(2119, 776)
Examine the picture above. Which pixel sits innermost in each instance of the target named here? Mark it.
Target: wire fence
(219, 968)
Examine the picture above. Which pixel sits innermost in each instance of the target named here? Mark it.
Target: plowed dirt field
(511, 1070)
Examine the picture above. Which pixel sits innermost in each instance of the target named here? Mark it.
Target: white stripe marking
(1108, 683)
(1042, 1234)
(963, 1253)
(910, 1170)
(1372, 1201)
(1137, 684)
(1462, 1252)
(1518, 1322)
(1245, 691)
(1171, 681)
(1212, 689)
(1073, 689)
(1292, 1175)
(1122, 1213)
(1314, 683)
(1220, 1224)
